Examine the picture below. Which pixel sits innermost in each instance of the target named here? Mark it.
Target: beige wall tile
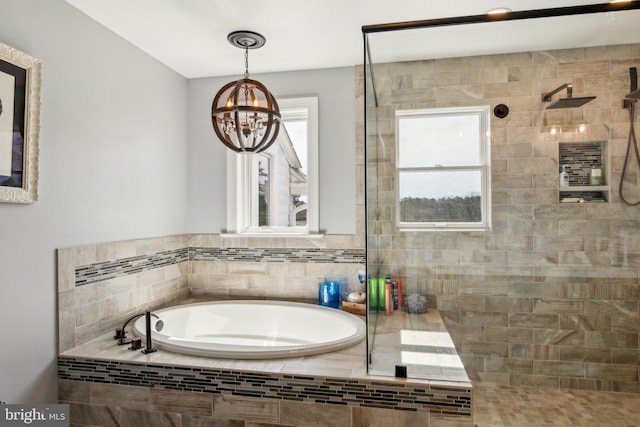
(262, 410)
(120, 396)
(181, 401)
(314, 414)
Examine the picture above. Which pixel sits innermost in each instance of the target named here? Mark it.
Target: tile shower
(550, 295)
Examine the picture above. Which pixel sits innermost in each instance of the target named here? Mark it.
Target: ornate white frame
(28, 193)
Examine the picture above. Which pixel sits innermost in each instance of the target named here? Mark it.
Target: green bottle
(373, 294)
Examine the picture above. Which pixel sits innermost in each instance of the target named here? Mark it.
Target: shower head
(569, 101)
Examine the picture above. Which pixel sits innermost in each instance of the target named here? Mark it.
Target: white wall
(335, 89)
(113, 166)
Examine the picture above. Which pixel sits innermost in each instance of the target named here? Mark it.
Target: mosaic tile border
(86, 274)
(100, 271)
(313, 255)
(337, 391)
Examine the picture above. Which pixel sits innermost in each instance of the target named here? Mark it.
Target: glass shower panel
(371, 196)
(461, 273)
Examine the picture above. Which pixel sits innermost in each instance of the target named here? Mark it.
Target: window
(276, 191)
(443, 169)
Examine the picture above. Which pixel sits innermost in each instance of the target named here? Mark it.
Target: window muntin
(276, 191)
(443, 169)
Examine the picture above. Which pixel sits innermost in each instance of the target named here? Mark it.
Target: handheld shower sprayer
(630, 103)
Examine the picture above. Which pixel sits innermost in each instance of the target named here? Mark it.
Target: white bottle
(564, 176)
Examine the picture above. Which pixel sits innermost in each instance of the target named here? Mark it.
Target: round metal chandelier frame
(244, 114)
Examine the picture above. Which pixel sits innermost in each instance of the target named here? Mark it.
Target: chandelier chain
(246, 61)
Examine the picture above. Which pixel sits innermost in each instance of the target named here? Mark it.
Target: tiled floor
(529, 406)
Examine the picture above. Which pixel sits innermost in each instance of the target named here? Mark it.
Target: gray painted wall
(112, 167)
(335, 89)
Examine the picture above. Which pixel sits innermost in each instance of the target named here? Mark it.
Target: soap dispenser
(564, 176)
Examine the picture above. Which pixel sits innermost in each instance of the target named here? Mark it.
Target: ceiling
(190, 36)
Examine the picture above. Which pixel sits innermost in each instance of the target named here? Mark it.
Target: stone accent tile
(189, 420)
(586, 259)
(607, 371)
(555, 243)
(181, 401)
(533, 289)
(559, 368)
(485, 349)
(484, 288)
(506, 181)
(247, 268)
(527, 320)
(625, 356)
(148, 277)
(137, 418)
(95, 415)
(529, 351)
(302, 413)
(526, 258)
(584, 354)
(509, 365)
(625, 386)
(534, 381)
(115, 250)
(505, 304)
(593, 322)
(74, 391)
(529, 72)
(584, 69)
(612, 307)
(263, 410)
(585, 384)
(376, 417)
(68, 259)
(587, 275)
(481, 256)
(509, 242)
(150, 246)
(509, 335)
(611, 339)
(443, 420)
(485, 319)
(120, 395)
(559, 336)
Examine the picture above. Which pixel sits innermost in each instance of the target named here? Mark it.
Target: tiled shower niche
(580, 158)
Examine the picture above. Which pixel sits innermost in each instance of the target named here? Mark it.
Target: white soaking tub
(253, 329)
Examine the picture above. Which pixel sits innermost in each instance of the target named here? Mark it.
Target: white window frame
(484, 167)
(239, 182)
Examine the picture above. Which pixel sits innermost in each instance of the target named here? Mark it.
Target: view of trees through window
(449, 209)
(442, 167)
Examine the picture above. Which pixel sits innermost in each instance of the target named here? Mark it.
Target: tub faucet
(121, 333)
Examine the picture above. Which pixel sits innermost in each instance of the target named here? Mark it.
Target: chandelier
(244, 114)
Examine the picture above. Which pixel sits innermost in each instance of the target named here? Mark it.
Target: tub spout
(121, 334)
(149, 348)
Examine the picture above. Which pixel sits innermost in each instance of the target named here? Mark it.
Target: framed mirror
(20, 89)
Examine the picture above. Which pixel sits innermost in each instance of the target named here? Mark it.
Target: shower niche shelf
(581, 157)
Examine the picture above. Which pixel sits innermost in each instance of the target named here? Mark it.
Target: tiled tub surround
(100, 286)
(550, 296)
(107, 384)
